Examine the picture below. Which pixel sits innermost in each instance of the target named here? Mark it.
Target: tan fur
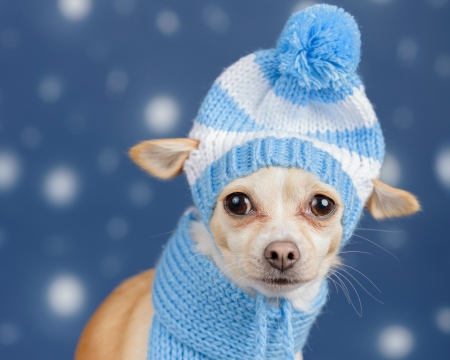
(389, 202)
(163, 158)
(120, 326)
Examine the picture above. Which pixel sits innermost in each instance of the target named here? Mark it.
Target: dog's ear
(388, 202)
(163, 158)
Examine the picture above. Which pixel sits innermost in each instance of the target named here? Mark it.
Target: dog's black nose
(282, 255)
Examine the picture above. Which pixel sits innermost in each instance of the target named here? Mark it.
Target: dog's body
(119, 329)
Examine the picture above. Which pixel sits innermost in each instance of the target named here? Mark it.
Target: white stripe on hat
(246, 84)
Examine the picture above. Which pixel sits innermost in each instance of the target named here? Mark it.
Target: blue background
(73, 99)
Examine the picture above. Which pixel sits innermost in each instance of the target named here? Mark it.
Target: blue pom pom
(320, 46)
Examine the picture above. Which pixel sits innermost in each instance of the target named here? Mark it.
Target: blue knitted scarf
(200, 314)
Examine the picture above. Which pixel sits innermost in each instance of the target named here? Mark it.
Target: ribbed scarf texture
(200, 314)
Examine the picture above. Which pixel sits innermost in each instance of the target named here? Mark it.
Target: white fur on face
(280, 198)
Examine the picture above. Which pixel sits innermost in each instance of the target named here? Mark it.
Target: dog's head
(278, 228)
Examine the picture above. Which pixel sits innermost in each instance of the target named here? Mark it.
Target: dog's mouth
(280, 281)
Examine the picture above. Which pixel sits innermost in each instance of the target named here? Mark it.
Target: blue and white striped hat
(301, 105)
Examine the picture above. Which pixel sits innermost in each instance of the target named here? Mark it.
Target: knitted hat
(300, 105)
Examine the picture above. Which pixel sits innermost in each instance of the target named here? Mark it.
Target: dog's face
(278, 228)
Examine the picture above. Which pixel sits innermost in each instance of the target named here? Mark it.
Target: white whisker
(374, 243)
(357, 294)
(368, 292)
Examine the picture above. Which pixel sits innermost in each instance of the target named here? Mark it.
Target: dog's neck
(300, 298)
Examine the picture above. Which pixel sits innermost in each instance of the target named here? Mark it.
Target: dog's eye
(322, 206)
(238, 204)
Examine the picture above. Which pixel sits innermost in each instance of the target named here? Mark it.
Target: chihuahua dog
(282, 158)
(276, 231)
